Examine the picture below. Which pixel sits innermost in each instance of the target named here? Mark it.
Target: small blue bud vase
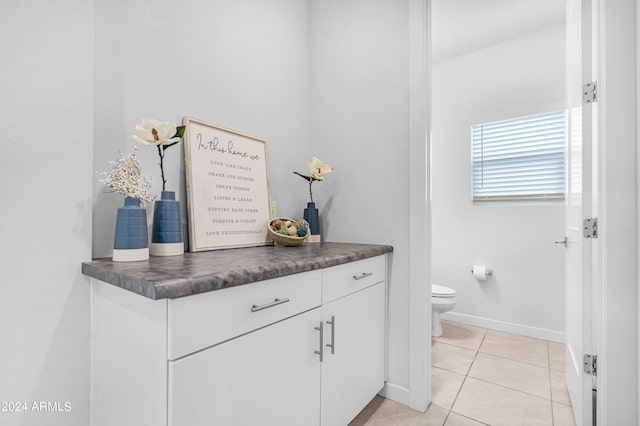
(311, 216)
(131, 241)
(166, 233)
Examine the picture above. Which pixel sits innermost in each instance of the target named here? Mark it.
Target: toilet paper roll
(480, 272)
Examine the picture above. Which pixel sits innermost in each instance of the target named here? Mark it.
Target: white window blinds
(520, 159)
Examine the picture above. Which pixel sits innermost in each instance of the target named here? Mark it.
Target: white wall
(615, 157)
(360, 125)
(238, 64)
(526, 292)
(637, 183)
(46, 81)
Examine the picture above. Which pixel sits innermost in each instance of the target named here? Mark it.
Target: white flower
(319, 168)
(153, 132)
(125, 178)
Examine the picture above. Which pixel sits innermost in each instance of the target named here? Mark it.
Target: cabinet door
(354, 373)
(267, 377)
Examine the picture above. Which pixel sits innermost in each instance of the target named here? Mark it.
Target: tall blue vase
(131, 241)
(311, 216)
(166, 233)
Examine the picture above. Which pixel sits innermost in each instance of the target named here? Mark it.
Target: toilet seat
(442, 291)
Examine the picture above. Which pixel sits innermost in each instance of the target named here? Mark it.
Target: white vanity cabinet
(303, 349)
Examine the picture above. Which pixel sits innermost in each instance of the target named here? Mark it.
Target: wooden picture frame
(228, 194)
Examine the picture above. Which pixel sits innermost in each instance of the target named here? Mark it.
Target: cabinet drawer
(203, 320)
(341, 280)
(270, 377)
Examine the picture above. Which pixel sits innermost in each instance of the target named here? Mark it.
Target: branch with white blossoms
(162, 135)
(125, 178)
(319, 170)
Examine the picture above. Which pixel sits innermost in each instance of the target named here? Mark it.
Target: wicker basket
(287, 240)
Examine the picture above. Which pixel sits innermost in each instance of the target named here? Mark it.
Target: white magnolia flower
(319, 168)
(154, 132)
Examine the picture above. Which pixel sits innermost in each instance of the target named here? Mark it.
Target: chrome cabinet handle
(276, 302)
(332, 345)
(320, 351)
(364, 275)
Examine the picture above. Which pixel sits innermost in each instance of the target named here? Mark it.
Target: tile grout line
(550, 399)
(547, 346)
(517, 360)
(465, 379)
(553, 422)
(512, 389)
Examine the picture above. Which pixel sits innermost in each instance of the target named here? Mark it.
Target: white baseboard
(508, 327)
(396, 393)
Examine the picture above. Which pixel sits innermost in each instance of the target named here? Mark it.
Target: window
(520, 159)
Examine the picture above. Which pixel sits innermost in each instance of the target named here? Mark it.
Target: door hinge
(590, 93)
(590, 364)
(590, 227)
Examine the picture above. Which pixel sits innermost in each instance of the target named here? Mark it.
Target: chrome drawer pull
(332, 345)
(276, 302)
(364, 275)
(320, 352)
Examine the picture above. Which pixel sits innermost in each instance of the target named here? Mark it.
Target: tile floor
(485, 377)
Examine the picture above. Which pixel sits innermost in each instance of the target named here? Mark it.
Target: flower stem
(310, 193)
(161, 154)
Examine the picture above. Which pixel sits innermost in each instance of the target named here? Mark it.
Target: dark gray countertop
(192, 273)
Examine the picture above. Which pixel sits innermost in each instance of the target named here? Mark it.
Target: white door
(579, 311)
(353, 364)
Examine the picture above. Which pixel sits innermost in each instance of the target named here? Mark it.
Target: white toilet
(443, 299)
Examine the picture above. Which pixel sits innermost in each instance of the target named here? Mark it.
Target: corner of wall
(637, 184)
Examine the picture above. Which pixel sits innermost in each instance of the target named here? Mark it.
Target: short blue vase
(311, 216)
(131, 240)
(166, 233)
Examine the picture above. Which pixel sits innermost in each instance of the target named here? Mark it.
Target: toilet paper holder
(487, 271)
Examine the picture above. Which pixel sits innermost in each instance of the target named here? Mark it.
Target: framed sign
(227, 187)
